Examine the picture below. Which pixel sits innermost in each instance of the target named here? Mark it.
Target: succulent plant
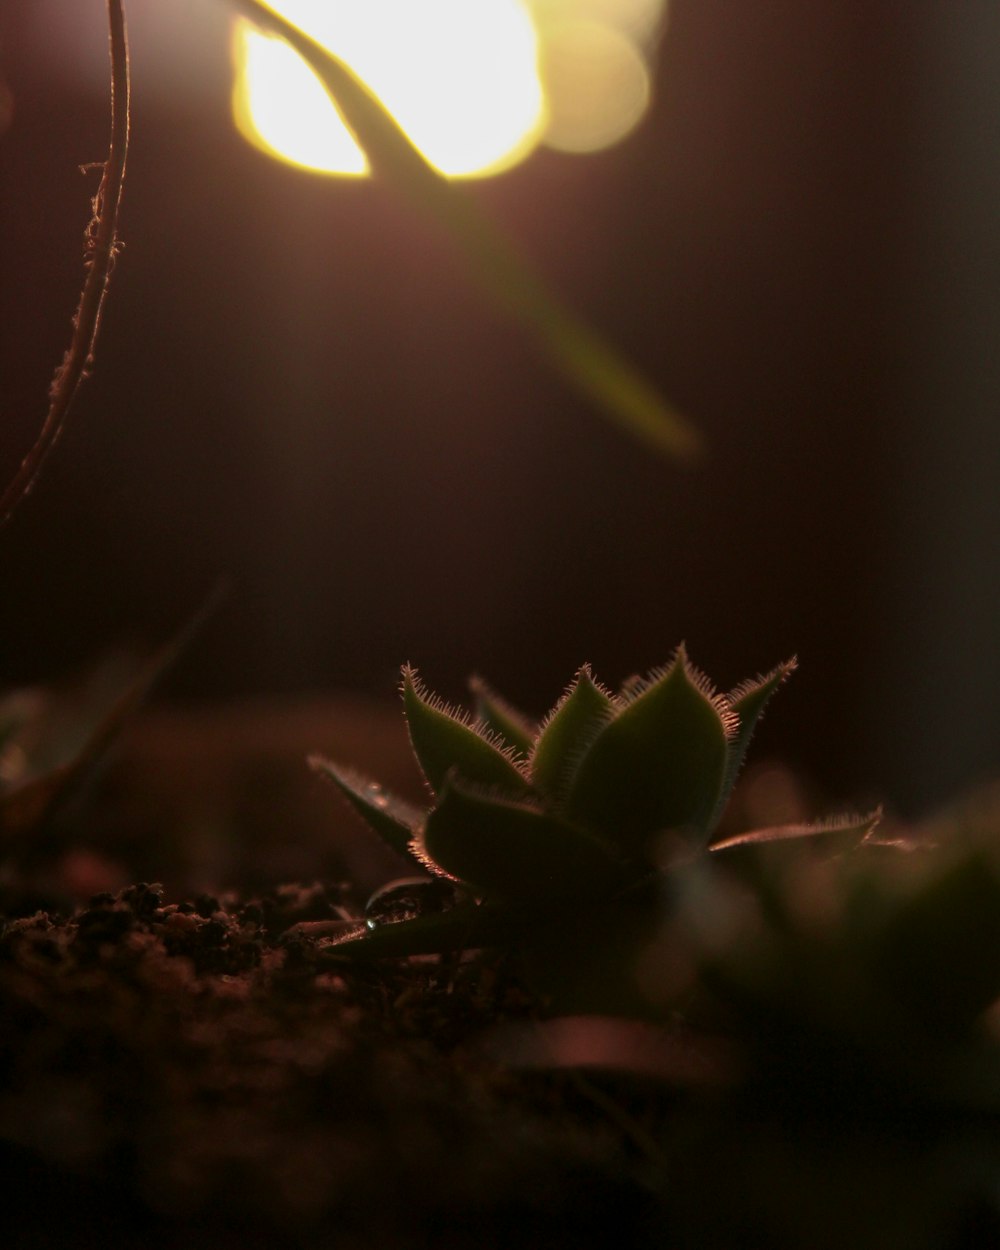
(593, 804)
(53, 740)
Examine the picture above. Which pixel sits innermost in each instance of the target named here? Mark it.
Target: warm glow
(476, 84)
(638, 19)
(596, 83)
(460, 76)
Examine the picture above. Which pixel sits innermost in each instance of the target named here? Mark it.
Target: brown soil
(190, 1075)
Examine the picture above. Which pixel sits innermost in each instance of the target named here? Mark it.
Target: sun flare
(476, 84)
(460, 77)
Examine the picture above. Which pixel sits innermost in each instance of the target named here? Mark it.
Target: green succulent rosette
(578, 808)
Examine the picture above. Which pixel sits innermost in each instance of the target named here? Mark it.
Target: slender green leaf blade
(659, 765)
(569, 730)
(497, 715)
(748, 701)
(443, 740)
(392, 818)
(584, 358)
(604, 376)
(510, 850)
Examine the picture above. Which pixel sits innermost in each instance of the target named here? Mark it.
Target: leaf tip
(703, 684)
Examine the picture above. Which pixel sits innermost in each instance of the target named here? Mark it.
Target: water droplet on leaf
(407, 898)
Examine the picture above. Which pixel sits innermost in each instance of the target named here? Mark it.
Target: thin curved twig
(101, 246)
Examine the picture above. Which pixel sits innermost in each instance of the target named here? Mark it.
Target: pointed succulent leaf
(465, 927)
(568, 731)
(502, 720)
(658, 765)
(512, 850)
(631, 686)
(393, 819)
(748, 701)
(443, 740)
(840, 830)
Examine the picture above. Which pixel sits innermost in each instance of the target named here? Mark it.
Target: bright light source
(639, 19)
(476, 84)
(597, 85)
(282, 107)
(460, 76)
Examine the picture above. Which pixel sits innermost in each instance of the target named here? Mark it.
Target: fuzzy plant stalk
(102, 245)
(600, 800)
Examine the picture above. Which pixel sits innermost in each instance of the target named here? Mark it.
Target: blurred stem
(101, 246)
(582, 356)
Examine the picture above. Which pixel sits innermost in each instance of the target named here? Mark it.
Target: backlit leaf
(392, 818)
(572, 726)
(659, 765)
(748, 701)
(443, 740)
(843, 831)
(497, 715)
(512, 850)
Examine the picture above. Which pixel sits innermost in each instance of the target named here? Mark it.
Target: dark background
(298, 388)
